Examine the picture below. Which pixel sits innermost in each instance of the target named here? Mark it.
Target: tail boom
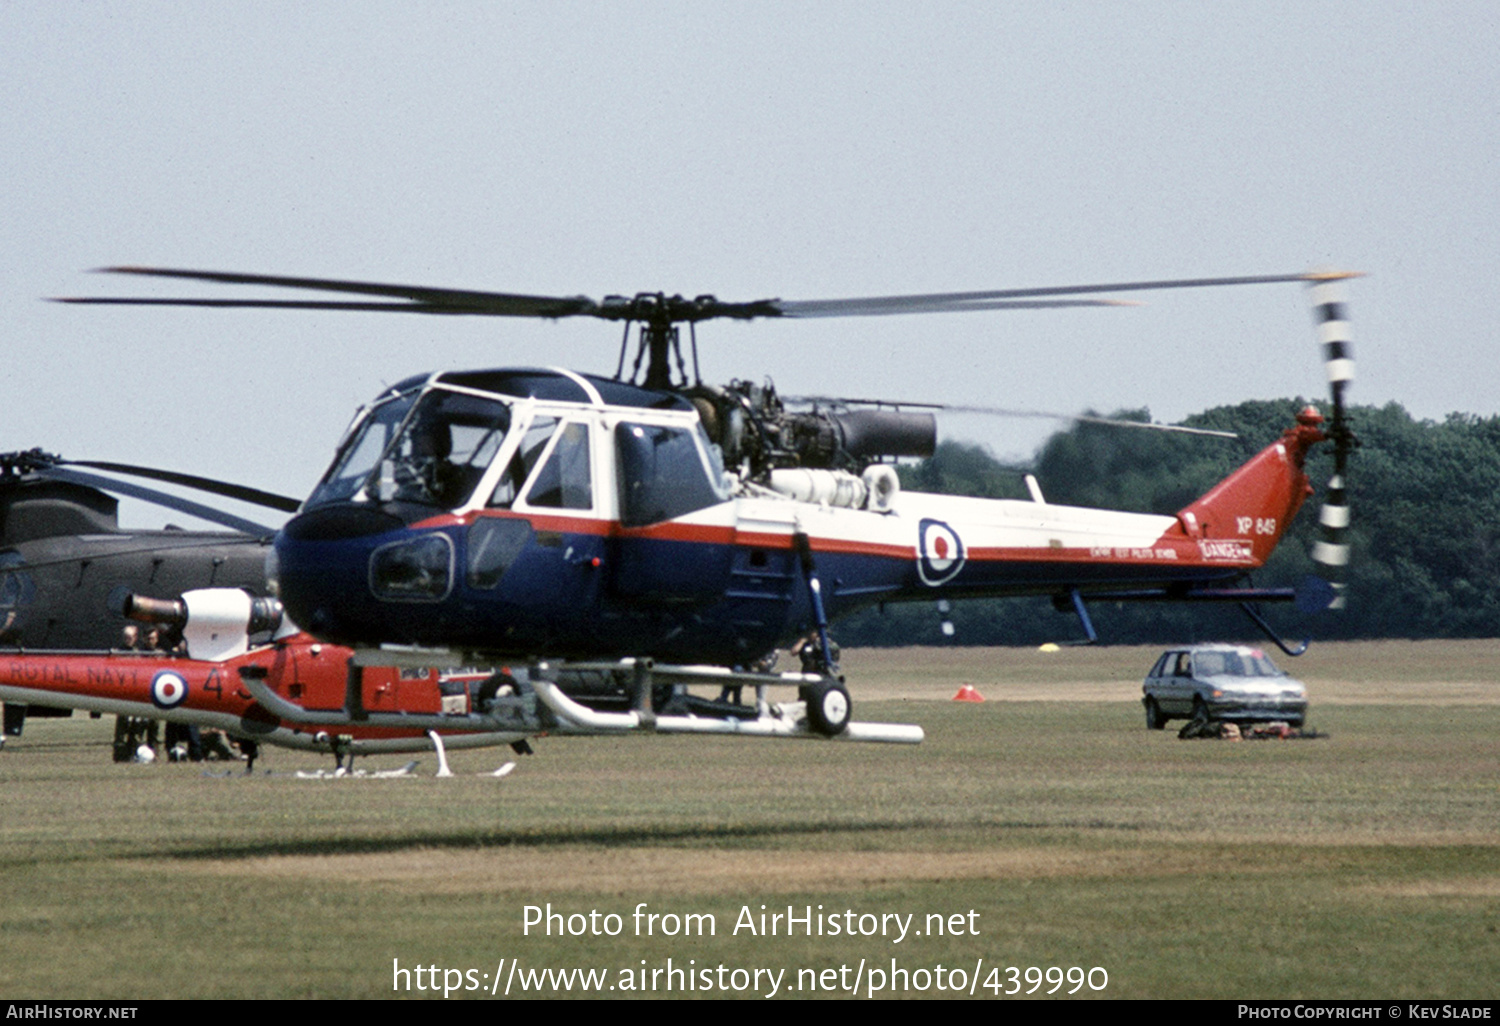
(1251, 509)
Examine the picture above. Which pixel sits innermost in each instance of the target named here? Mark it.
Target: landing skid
(540, 701)
(1313, 595)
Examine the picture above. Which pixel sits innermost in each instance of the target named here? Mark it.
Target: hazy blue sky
(799, 150)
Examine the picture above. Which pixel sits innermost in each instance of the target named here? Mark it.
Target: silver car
(1221, 682)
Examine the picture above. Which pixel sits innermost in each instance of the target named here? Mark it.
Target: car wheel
(1154, 719)
(1200, 709)
(827, 706)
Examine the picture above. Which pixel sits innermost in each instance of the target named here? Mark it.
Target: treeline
(1424, 496)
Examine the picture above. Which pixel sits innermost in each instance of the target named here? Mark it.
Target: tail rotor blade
(1331, 552)
(1331, 312)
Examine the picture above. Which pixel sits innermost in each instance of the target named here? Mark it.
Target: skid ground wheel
(1154, 719)
(827, 706)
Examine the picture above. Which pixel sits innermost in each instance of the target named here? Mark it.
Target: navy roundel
(168, 690)
(940, 552)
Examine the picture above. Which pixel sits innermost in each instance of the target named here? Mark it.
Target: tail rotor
(1330, 312)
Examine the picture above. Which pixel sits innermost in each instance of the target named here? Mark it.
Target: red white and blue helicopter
(621, 537)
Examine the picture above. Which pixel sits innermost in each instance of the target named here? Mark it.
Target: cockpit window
(361, 451)
(662, 474)
(443, 449)
(523, 461)
(564, 481)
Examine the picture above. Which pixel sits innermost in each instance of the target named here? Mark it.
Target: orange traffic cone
(968, 694)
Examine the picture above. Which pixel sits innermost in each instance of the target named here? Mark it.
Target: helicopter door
(540, 564)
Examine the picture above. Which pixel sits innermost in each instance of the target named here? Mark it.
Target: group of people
(137, 738)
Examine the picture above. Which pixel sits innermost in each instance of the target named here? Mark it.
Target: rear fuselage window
(662, 474)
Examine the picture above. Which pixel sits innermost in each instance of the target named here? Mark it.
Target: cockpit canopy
(543, 440)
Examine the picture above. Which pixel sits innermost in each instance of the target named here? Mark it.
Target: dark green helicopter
(66, 565)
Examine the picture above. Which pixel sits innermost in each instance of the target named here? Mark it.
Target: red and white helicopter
(243, 668)
(621, 538)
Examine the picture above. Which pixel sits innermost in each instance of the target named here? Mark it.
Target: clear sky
(750, 150)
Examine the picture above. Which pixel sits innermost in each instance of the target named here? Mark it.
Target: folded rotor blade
(181, 505)
(227, 489)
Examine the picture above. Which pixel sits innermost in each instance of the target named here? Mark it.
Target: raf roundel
(168, 690)
(940, 552)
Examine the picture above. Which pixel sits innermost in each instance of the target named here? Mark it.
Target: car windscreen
(1233, 664)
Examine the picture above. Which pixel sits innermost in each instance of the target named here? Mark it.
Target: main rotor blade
(1084, 418)
(944, 302)
(451, 309)
(1000, 411)
(875, 307)
(229, 490)
(419, 298)
(658, 308)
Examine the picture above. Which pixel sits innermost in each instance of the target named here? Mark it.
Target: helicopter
(653, 528)
(237, 665)
(65, 561)
(62, 549)
(73, 583)
(74, 605)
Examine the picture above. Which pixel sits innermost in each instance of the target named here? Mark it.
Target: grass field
(1046, 827)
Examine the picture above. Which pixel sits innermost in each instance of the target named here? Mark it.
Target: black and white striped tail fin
(1330, 312)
